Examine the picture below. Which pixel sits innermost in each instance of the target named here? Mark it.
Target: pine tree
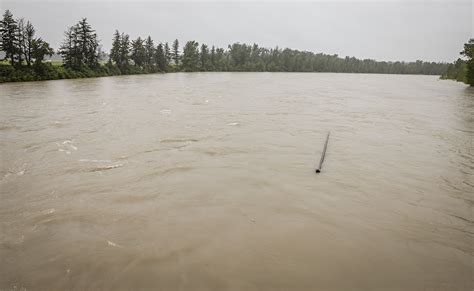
(114, 55)
(190, 57)
(124, 52)
(213, 58)
(469, 53)
(80, 46)
(29, 38)
(160, 58)
(20, 41)
(9, 37)
(149, 52)
(204, 58)
(175, 53)
(167, 53)
(68, 48)
(138, 52)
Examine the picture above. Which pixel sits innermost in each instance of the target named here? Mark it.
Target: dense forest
(462, 70)
(25, 57)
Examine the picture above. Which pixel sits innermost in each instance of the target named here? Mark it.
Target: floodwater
(206, 181)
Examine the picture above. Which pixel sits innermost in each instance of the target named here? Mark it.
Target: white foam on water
(233, 124)
(112, 244)
(95, 161)
(112, 166)
(49, 211)
(165, 111)
(104, 168)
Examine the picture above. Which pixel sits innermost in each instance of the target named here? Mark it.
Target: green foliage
(190, 58)
(138, 53)
(462, 70)
(80, 46)
(456, 71)
(8, 35)
(160, 59)
(175, 53)
(469, 53)
(40, 49)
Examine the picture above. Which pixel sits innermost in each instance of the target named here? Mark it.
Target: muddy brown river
(206, 181)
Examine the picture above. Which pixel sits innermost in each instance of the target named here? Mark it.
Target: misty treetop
(82, 56)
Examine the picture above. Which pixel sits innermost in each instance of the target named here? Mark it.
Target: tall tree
(149, 51)
(80, 46)
(29, 38)
(213, 58)
(167, 53)
(160, 58)
(175, 53)
(20, 40)
(114, 55)
(9, 37)
(40, 49)
(468, 52)
(68, 48)
(138, 53)
(205, 58)
(124, 51)
(190, 59)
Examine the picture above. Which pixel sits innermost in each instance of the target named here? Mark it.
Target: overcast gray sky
(383, 30)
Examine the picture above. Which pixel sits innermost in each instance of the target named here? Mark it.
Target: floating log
(318, 170)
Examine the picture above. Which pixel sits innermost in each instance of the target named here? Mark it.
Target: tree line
(82, 56)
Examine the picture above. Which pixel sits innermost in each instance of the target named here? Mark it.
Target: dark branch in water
(318, 170)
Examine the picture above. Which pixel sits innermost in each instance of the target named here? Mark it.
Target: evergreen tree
(20, 41)
(9, 36)
(160, 58)
(205, 58)
(124, 52)
(80, 46)
(175, 53)
(29, 38)
(213, 58)
(190, 59)
(167, 53)
(68, 48)
(469, 53)
(149, 52)
(138, 53)
(114, 55)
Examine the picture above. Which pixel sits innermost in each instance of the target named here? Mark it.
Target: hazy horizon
(385, 31)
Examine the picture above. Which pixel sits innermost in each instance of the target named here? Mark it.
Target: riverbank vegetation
(462, 70)
(83, 57)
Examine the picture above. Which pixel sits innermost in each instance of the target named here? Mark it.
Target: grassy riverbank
(55, 71)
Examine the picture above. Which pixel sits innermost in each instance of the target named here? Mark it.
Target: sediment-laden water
(206, 182)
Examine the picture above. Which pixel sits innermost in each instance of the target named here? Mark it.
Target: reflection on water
(206, 182)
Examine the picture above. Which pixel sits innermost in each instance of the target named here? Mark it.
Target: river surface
(206, 181)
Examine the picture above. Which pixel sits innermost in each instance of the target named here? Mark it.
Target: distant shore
(55, 71)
